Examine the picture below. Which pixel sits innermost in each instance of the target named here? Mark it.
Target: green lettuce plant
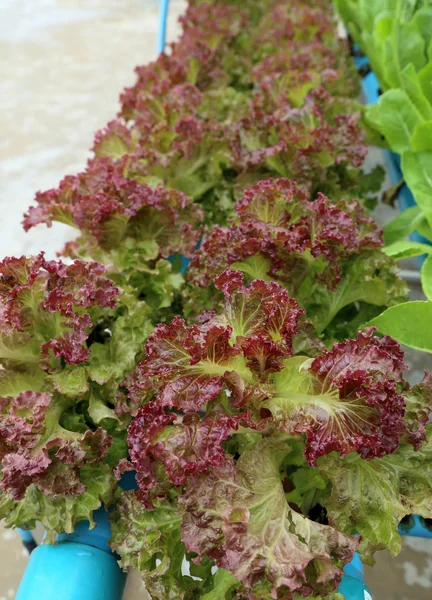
(397, 38)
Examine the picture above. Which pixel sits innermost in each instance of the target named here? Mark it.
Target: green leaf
(424, 229)
(411, 84)
(370, 11)
(102, 367)
(423, 21)
(61, 513)
(12, 382)
(407, 249)
(257, 267)
(73, 419)
(425, 80)
(374, 48)
(418, 401)
(269, 546)
(396, 117)
(404, 224)
(160, 285)
(138, 534)
(224, 582)
(417, 170)
(309, 487)
(369, 277)
(19, 348)
(119, 448)
(409, 323)
(111, 145)
(131, 254)
(391, 194)
(383, 27)
(117, 356)
(71, 382)
(421, 140)
(426, 277)
(349, 13)
(98, 409)
(371, 497)
(405, 46)
(334, 596)
(150, 541)
(297, 94)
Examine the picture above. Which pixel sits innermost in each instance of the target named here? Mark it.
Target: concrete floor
(63, 64)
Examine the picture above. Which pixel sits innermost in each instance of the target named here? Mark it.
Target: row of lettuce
(396, 36)
(264, 428)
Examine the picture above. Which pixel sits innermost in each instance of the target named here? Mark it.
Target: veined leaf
(370, 498)
(425, 79)
(408, 323)
(396, 117)
(421, 139)
(251, 529)
(407, 249)
(404, 224)
(318, 398)
(426, 276)
(406, 46)
(417, 170)
(411, 84)
(423, 21)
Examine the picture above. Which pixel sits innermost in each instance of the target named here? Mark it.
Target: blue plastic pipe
(163, 18)
(352, 585)
(71, 571)
(80, 566)
(27, 539)
(26, 535)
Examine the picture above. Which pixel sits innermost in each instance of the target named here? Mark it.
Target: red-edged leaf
(184, 446)
(190, 362)
(238, 516)
(35, 449)
(418, 410)
(348, 399)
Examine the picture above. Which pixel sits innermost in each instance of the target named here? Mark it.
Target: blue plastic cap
(70, 571)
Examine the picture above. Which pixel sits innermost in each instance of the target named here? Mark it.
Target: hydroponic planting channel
(264, 421)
